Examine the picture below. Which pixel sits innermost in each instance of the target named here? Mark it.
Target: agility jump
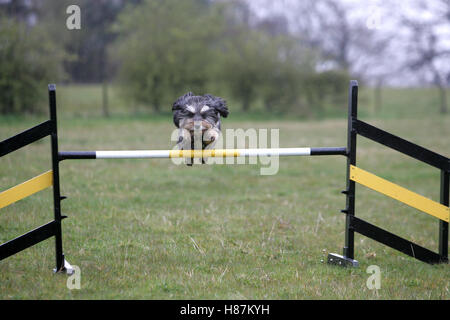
(355, 174)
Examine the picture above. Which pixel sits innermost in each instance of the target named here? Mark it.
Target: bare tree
(340, 32)
(426, 42)
(331, 28)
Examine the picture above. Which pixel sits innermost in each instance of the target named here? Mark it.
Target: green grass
(148, 229)
(85, 101)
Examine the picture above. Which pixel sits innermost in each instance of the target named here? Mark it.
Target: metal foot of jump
(67, 269)
(337, 259)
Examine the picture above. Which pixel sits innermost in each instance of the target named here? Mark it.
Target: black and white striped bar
(217, 153)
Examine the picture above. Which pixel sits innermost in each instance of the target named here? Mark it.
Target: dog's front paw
(184, 143)
(210, 136)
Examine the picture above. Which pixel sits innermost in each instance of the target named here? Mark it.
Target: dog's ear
(181, 101)
(178, 106)
(217, 103)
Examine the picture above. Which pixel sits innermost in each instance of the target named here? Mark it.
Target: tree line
(157, 50)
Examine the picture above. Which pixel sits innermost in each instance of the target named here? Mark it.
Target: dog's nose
(197, 125)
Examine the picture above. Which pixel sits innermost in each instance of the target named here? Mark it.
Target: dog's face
(198, 112)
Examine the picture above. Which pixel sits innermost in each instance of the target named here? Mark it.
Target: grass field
(148, 229)
(85, 101)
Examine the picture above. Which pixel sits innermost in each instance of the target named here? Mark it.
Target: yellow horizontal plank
(399, 193)
(26, 189)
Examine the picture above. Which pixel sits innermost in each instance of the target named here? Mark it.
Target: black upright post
(56, 189)
(443, 225)
(347, 259)
(349, 247)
